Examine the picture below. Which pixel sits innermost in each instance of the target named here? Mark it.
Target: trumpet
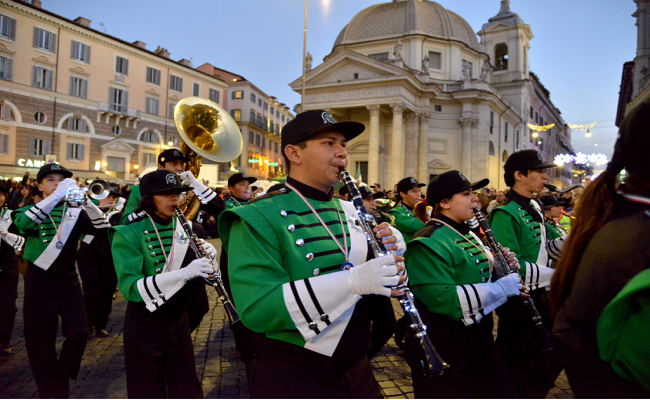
(97, 190)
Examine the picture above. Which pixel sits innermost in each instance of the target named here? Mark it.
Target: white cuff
(478, 300)
(204, 193)
(42, 209)
(554, 247)
(537, 276)
(314, 303)
(14, 241)
(97, 217)
(157, 289)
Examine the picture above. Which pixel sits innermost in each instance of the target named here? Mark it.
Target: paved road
(218, 365)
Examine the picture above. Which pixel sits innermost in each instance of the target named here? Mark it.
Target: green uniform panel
(232, 203)
(406, 222)
(623, 327)
(274, 240)
(437, 264)
(137, 253)
(513, 227)
(551, 232)
(131, 204)
(38, 236)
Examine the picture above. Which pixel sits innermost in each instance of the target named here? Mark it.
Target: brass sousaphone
(207, 130)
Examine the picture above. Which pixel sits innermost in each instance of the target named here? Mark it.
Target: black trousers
(298, 373)
(476, 369)
(383, 322)
(98, 278)
(197, 302)
(533, 372)
(8, 295)
(41, 311)
(158, 352)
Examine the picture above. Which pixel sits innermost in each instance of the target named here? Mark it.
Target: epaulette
(139, 218)
(269, 195)
(428, 230)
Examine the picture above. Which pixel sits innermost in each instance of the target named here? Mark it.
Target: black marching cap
(171, 155)
(524, 160)
(162, 181)
(407, 184)
(309, 123)
(52, 168)
(236, 178)
(448, 184)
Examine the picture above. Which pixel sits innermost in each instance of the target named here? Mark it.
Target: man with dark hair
(302, 272)
(405, 221)
(376, 187)
(519, 225)
(344, 193)
(240, 189)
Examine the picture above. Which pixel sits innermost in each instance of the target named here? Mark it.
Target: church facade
(434, 98)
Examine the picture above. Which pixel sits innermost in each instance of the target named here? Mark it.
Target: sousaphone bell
(207, 130)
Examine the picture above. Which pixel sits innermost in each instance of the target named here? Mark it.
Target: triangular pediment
(360, 147)
(118, 145)
(349, 70)
(439, 164)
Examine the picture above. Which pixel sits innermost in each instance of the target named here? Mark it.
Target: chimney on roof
(185, 62)
(161, 51)
(36, 3)
(82, 22)
(139, 44)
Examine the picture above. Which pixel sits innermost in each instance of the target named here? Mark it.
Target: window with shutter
(153, 76)
(176, 83)
(4, 143)
(121, 65)
(44, 40)
(6, 68)
(196, 89)
(170, 112)
(214, 95)
(7, 27)
(152, 106)
(5, 112)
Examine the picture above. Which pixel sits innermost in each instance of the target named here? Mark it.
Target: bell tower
(506, 39)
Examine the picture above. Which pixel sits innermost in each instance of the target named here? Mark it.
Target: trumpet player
(300, 273)
(52, 230)
(153, 268)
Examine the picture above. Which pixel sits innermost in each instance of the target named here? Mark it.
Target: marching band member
(301, 272)
(405, 221)
(552, 211)
(10, 245)
(173, 160)
(153, 265)
(449, 272)
(96, 269)
(600, 285)
(239, 186)
(519, 225)
(52, 230)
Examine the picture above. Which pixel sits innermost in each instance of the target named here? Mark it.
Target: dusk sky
(578, 50)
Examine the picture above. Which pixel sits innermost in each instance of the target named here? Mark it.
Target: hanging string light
(539, 128)
(581, 158)
(583, 127)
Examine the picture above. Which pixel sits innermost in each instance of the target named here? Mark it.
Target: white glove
(62, 189)
(187, 177)
(209, 249)
(199, 267)
(3, 231)
(373, 276)
(511, 285)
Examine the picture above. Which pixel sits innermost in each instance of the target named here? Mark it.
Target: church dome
(407, 17)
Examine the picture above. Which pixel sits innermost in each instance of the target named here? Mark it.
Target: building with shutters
(433, 98)
(260, 118)
(100, 106)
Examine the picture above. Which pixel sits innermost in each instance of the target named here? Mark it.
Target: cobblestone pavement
(218, 365)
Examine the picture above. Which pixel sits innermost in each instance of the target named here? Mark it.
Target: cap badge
(243, 175)
(539, 156)
(55, 167)
(462, 176)
(171, 179)
(327, 118)
(177, 153)
(413, 181)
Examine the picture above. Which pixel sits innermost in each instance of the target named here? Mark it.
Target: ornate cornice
(398, 108)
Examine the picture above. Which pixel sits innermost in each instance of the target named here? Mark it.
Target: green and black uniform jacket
(405, 221)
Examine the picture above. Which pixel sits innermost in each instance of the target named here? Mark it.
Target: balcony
(119, 112)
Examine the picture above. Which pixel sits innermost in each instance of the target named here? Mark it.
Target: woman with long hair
(608, 246)
(450, 275)
(21, 198)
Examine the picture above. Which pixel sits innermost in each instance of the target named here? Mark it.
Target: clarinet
(432, 364)
(215, 281)
(502, 269)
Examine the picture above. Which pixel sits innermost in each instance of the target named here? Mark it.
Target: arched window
(149, 137)
(77, 124)
(491, 148)
(501, 57)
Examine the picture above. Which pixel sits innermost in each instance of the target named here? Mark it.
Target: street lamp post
(304, 61)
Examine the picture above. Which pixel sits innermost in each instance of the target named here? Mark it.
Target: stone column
(411, 145)
(373, 145)
(396, 163)
(478, 160)
(423, 148)
(466, 145)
